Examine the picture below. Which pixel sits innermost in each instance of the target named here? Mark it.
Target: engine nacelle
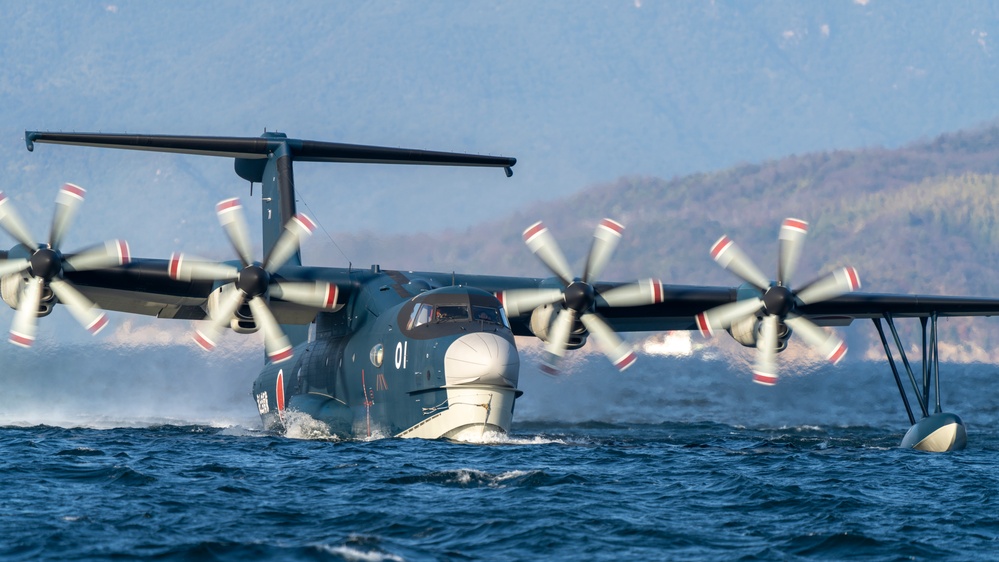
(241, 322)
(747, 332)
(544, 317)
(12, 288)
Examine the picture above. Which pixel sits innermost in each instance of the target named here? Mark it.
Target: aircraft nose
(482, 358)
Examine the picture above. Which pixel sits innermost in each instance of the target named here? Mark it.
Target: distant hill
(903, 216)
(923, 218)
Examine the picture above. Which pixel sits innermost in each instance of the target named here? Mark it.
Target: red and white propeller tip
(578, 298)
(780, 298)
(47, 265)
(254, 284)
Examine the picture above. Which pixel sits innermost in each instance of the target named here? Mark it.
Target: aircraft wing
(144, 286)
(681, 303)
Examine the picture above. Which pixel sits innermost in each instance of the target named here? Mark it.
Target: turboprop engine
(241, 321)
(12, 290)
(542, 320)
(747, 332)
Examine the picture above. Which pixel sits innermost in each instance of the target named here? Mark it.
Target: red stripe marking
(306, 223)
(332, 292)
(281, 355)
(720, 246)
(613, 226)
(534, 230)
(657, 291)
(98, 325)
(204, 342)
(764, 378)
(279, 391)
(703, 326)
(500, 296)
(124, 256)
(3, 198)
(838, 353)
(796, 224)
(854, 277)
(74, 190)
(21, 340)
(626, 362)
(227, 204)
(174, 269)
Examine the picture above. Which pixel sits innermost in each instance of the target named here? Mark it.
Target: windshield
(427, 314)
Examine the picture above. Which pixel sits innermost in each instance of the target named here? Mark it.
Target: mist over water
(661, 389)
(104, 385)
(128, 386)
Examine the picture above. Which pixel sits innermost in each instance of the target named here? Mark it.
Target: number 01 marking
(401, 350)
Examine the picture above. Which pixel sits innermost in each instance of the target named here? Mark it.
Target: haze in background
(582, 94)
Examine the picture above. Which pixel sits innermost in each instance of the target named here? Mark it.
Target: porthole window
(377, 353)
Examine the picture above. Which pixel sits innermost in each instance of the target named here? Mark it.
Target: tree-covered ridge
(920, 218)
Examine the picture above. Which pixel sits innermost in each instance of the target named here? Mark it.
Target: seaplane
(429, 354)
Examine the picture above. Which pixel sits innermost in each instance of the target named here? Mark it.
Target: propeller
(47, 265)
(578, 295)
(778, 302)
(253, 282)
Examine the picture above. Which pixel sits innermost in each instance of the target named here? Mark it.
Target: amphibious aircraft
(433, 355)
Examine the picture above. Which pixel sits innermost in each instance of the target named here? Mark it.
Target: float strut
(894, 370)
(926, 366)
(936, 363)
(905, 363)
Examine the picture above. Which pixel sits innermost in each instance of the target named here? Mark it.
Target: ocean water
(675, 459)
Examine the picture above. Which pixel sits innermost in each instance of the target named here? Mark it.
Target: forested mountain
(920, 219)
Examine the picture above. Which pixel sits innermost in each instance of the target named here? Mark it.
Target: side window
(506, 321)
(420, 316)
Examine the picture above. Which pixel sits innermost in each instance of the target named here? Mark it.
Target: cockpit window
(452, 310)
(425, 314)
(490, 315)
(451, 313)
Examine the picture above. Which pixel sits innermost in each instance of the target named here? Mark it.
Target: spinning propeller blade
(778, 303)
(46, 266)
(12, 224)
(578, 297)
(543, 244)
(22, 331)
(253, 282)
(230, 213)
(67, 205)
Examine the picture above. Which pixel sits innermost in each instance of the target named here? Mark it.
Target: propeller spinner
(778, 303)
(579, 297)
(46, 266)
(253, 282)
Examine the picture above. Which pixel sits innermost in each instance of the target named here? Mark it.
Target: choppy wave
(669, 460)
(602, 491)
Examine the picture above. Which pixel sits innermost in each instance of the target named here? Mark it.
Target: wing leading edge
(144, 286)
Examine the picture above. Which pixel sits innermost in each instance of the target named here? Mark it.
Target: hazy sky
(580, 93)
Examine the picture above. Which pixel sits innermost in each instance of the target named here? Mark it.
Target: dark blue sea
(158, 454)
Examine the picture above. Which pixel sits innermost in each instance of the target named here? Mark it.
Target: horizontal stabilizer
(268, 143)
